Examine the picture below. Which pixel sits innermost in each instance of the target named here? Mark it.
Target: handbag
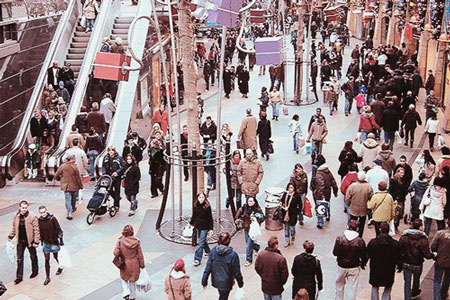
(270, 147)
(240, 144)
(285, 110)
(122, 183)
(301, 142)
(119, 260)
(278, 214)
(307, 209)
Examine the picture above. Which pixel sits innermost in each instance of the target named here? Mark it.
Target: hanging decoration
(111, 66)
(268, 50)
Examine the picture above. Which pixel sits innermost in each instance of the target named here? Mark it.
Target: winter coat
(306, 269)
(202, 217)
(357, 196)
(90, 8)
(445, 183)
(294, 208)
(385, 254)
(96, 120)
(347, 181)
(72, 136)
(432, 126)
(50, 230)
(347, 158)
(323, 183)
(135, 150)
(398, 190)
(93, 143)
(368, 151)
(210, 132)
(272, 267)
(177, 286)
(300, 182)
(389, 120)
(81, 122)
(243, 79)
(441, 245)
(376, 175)
(318, 132)
(382, 206)
(247, 132)
(264, 133)
(295, 127)
(377, 107)
(387, 161)
(433, 201)
(162, 119)
(234, 175)
(37, 126)
(108, 108)
(350, 250)
(157, 164)
(131, 175)
(223, 265)
(70, 177)
(408, 172)
(367, 122)
(130, 248)
(419, 188)
(81, 160)
(117, 164)
(444, 160)
(410, 119)
(244, 213)
(33, 160)
(415, 247)
(31, 228)
(250, 173)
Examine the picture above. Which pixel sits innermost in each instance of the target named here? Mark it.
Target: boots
(29, 171)
(35, 172)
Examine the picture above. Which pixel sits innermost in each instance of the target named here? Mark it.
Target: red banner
(408, 31)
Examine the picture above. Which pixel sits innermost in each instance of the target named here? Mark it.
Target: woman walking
(235, 185)
(291, 204)
(251, 211)
(178, 285)
(202, 221)
(432, 128)
(300, 181)
(296, 131)
(275, 101)
(347, 157)
(264, 132)
(427, 164)
(51, 238)
(432, 205)
(129, 247)
(418, 187)
(131, 175)
(157, 166)
(112, 165)
(243, 79)
(398, 189)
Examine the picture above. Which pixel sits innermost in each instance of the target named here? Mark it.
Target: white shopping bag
(255, 230)
(358, 138)
(440, 141)
(398, 137)
(83, 22)
(391, 228)
(188, 230)
(64, 258)
(11, 251)
(143, 283)
(307, 149)
(240, 294)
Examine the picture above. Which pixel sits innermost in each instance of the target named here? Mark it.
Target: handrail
(20, 140)
(94, 45)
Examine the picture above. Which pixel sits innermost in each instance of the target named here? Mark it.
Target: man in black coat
(417, 83)
(68, 78)
(184, 151)
(429, 85)
(37, 124)
(389, 123)
(53, 74)
(208, 130)
(384, 254)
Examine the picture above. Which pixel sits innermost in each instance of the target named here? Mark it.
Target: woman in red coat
(161, 117)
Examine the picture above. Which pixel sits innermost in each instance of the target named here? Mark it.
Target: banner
(408, 31)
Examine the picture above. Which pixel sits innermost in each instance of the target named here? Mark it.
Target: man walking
(316, 136)
(70, 183)
(441, 245)
(384, 254)
(25, 228)
(271, 266)
(247, 131)
(250, 173)
(350, 252)
(389, 123)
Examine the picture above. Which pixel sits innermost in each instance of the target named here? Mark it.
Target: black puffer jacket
(415, 247)
(306, 270)
(202, 217)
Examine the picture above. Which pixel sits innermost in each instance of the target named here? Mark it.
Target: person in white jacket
(432, 128)
(108, 108)
(376, 175)
(432, 205)
(295, 128)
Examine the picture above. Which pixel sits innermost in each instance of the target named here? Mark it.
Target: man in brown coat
(250, 173)
(356, 197)
(26, 228)
(271, 266)
(70, 183)
(247, 132)
(96, 120)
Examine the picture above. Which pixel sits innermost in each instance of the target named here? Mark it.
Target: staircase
(77, 49)
(120, 29)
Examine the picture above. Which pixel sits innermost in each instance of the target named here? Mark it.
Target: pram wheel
(90, 218)
(112, 211)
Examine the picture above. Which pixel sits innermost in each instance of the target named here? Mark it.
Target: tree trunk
(187, 51)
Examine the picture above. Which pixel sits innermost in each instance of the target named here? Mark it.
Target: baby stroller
(100, 202)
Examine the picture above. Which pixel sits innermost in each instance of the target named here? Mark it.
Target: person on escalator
(108, 108)
(90, 9)
(93, 147)
(113, 164)
(96, 120)
(33, 161)
(63, 92)
(117, 46)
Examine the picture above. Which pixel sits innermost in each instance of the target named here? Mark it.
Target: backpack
(445, 162)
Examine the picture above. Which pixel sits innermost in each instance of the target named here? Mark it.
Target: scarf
(236, 160)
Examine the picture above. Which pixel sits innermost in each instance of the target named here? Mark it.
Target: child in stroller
(100, 202)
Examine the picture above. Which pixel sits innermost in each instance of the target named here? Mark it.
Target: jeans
(21, 245)
(333, 106)
(431, 137)
(295, 137)
(316, 148)
(300, 213)
(92, 156)
(415, 211)
(272, 297)
(238, 194)
(409, 132)
(364, 134)
(128, 289)
(289, 232)
(439, 290)
(428, 221)
(133, 201)
(327, 215)
(71, 199)
(362, 223)
(251, 245)
(207, 82)
(223, 295)
(202, 244)
(275, 109)
(90, 24)
(389, 137)
(386, 293)
(408, 272)
(347, 208)
(346, 278)
(348, 105)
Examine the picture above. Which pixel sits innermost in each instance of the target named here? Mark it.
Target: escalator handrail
(108, 9)
(37, 91)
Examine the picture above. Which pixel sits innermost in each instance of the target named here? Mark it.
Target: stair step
(82, 34)
(76, 69)
(120, 31)
(81, 39)
(121, 26)
(124, 37)
(77, 50)
(124, 19)
(75, 56)
(74, 62)
(81, 29)
(78, 45)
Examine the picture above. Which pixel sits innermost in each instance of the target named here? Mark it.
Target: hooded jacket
(272, 267)
(350, 250)
(385, 254)
(323, 184)
(300, 182)
(202, 217)
(178, 286)
(367, 122)
(387, 161)
(347, 181)
(306, 270)
(411, 118)
(419, 188)
(223, 266)
(414, 246)
(433, 202)
(130, 247)
(318, 131)
(441, 245)
(375, 175)
(368, 151)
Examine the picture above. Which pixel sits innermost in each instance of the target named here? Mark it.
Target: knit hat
(378, 162)
(179, 265)
(61, 83)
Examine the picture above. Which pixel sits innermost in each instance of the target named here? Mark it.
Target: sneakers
(319, 226)
(131, 213)
(328, 219)
(248, 264)
(196, 263)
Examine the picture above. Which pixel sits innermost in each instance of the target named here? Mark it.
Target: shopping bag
(398, 137)
(391, 228)
(307, 149)
(188, 230)
(255, 230)
(301, 142)
(270, 147)
(64, 258)
(307, 209)
(440, 141)
(11, 251)
(322, 208)
(240, 294)
(83, 22)
(143, 283)
(285, 110)
(358, 138)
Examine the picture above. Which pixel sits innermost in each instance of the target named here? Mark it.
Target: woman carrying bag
(178, 285)
(128, 252)
(244, 216)
(291, 204)
(202, 221)
(130, 181)
(433, 204)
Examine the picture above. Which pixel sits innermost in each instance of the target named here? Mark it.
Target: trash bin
(273, 195)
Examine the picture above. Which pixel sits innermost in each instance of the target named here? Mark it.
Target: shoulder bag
(374, 210)
(119, 260)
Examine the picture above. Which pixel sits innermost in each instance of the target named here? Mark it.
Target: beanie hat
(179, 265)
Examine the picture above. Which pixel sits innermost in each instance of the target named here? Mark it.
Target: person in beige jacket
(178, 285)
(25, 229)
(382, 206)
(317, 133)
(250, 173)
(247, 132)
